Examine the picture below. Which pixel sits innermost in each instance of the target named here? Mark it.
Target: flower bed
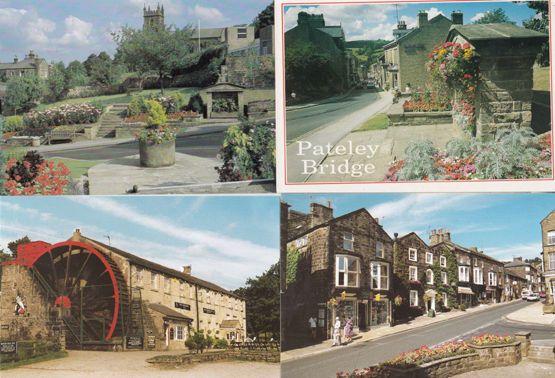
(426, 354)
(426, 101)
(63, 115)
(177, 116)
(488, 339)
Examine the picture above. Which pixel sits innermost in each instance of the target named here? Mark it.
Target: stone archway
(431, 302)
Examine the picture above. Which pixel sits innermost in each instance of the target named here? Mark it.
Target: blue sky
(378, 20)
(502, 225)
(68, 30)
(226, 239)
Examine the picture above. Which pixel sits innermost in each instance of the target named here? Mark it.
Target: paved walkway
(524, 369)
(120, 175)
(532, 314)
(133, 364)
(330, 134)
(391, 144)
(320, 102)
(376, 333)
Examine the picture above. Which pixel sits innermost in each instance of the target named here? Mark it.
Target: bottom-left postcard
(150, 286)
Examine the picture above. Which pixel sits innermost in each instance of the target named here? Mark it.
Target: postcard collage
(288, 188)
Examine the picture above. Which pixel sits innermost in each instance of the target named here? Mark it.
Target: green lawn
(46, 357)
(77, 167)
(541, 79)
(377, 122)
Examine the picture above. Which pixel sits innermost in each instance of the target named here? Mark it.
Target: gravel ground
(133, 364)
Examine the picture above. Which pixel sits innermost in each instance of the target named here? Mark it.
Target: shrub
(227, 105)
(221, 344)
(156, 114)
(248, 152)
(63, 115)
(136, 106)
(419, 161)
(199, 342)
(195, 103)
(462, 307)
(13, 123)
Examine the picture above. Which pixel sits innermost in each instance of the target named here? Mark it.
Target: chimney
(422, 18)
(187, 269)
(438, 236)
(320, 214)
(76, 235)
(15, 59)
(474, 249)
(401, 30)
(457, 17)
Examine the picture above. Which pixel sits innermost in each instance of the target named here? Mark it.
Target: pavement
(320, 102)
(119, 175)
(133, 364)
(370, 351)
(532, 314)
(327, 125)
(525, 368)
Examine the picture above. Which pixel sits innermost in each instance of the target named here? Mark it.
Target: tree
(12, 246)
(56, 84)
(494, 16)
(293, 257)
(100, 69)
(23, 92)
(76, 74)
(263, 19)
(540, 23)
(199, 342)
(262, 301)
(158, 51)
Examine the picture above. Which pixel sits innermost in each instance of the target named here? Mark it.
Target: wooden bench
(60, 135)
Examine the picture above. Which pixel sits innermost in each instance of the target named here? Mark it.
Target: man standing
(312, 325)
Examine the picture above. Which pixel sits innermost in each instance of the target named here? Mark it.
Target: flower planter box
(398, 117)
(154, 155)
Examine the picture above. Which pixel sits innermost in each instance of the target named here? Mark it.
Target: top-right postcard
(402, 96)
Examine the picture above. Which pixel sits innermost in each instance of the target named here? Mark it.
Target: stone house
(480, 277)
(416, 267)
(128, 300)
(406, 56)
(234, 37)
(528, 270)
(514, 282)
(343, 269)
(548, 256)
(31, 65)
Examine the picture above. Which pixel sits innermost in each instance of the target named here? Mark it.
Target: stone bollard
(524, 338)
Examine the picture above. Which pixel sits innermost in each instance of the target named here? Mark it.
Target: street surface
(303, 120)
(372, 352)
(206, 145)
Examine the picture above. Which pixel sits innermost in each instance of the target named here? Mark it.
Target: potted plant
(157, 141)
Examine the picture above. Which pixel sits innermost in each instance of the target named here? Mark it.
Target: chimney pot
(187, 269)
(422, 18)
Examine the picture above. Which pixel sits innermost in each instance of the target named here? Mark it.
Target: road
(206, 145)
(371, 352)
(303, 120)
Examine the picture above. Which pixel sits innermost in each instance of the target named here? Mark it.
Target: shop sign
(151, 341)
(209, 311)
(5, 326)
(134, 342)
(8, 347)
(183, 306)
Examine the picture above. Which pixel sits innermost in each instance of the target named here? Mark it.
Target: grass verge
(45, 357)
(377, 122)
(77, 167)
(541, 79)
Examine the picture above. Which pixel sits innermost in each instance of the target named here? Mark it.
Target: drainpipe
(196, 302)
(392, 289)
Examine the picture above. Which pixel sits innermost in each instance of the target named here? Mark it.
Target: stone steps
(110, 120)
(542, 352)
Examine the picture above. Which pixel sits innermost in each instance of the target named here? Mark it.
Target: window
(348, 241)
(380, 251)
(413, 298)
(413, 273)
(242, 33)
(153, 281)
(413, 254)
(380, 276)
(443, 261)
(301, 242)
(492, 279)
(551, 261)
(347, 271)
(444, 278)
(475, 261)
(167, 284)
(178, 332)
(551, 237)
(429, 277)
(138, 276)
(478, 276)
(464, 273)
(429, 258)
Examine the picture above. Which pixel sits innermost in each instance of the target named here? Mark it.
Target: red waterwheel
(85, 284)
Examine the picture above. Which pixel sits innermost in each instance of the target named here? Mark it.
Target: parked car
(524, 294)
(542, 294)
(533, 297)
(370, 85)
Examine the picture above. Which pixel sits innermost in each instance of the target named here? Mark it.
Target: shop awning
(231, 323)
(168, 312)
(464, 290)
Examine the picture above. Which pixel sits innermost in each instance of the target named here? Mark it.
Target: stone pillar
(505, 94)
(524, 338)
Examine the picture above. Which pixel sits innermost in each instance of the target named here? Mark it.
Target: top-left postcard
(133, 97)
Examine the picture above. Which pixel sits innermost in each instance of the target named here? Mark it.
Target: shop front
(380, 311)
(465, 295)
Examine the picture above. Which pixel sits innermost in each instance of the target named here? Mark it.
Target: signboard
(209, 311)
(8, 347)
(134, 342)
(151, 341)
(5, 326)
(183, 306)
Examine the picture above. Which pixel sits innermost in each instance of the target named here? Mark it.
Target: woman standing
(348, 330)
(336, 332)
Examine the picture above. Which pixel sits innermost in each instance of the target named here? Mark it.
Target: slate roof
(333, 31)
(168, 312)
(163, 269)
(484, 32)
(209, 32)
(414, 31)
(514, 264)
(515, 274)
(470, 251)
(230, 323)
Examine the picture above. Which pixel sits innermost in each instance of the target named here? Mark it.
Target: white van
(524, 294)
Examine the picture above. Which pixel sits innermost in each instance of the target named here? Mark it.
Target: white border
(455, 186)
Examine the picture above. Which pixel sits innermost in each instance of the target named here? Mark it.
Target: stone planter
(35, 141)
(154, 155)
(398, 117)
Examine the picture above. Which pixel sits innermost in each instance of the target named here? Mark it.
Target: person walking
(348, 330)
(336, 332)
(312, 326)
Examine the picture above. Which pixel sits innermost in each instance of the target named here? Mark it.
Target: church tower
(153, 18)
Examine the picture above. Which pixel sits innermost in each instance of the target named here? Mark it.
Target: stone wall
(217, 355)
(398, 117)
(251, 71)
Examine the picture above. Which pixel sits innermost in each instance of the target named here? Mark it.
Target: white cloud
(477, 16)
(77, 32)
(526, 251)
(208, 13)
(10, 17)
(37, 31)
